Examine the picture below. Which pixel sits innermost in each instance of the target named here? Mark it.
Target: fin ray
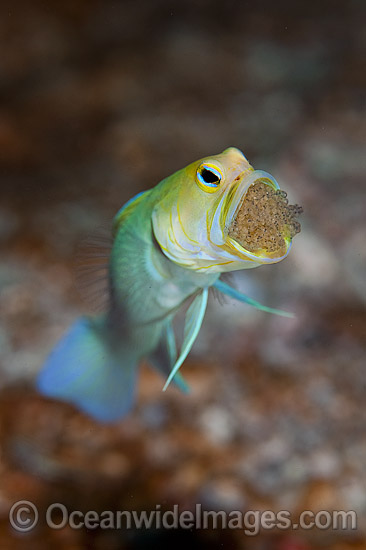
(165, 356)
(193, 323)
(91, 268)
(233, 293)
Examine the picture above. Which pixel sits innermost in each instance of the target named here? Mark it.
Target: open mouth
(264, 224)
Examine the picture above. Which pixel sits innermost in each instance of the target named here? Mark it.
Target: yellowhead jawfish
(170, 243)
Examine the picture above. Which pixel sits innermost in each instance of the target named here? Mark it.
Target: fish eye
(209, 177)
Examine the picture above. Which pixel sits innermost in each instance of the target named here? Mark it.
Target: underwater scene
(182, 275)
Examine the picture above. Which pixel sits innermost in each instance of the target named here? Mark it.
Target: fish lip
(239, 193)
(234, 202)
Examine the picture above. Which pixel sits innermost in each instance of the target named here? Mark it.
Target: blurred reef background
(101, 99)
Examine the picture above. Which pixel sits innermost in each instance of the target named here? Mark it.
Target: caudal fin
(85, 370)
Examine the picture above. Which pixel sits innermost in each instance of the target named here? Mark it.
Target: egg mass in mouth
(265, 222)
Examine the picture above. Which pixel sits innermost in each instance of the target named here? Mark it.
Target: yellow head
(219, 214)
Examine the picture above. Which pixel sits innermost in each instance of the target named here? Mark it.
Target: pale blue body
(95, 364)
(170, 243)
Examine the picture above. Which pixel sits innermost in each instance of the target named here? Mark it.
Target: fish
(171, 243)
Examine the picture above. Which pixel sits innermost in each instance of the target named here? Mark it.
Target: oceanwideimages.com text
(24, 516)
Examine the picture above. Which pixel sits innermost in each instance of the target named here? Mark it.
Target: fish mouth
(259, 221)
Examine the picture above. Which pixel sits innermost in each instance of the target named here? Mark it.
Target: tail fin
(86, 370)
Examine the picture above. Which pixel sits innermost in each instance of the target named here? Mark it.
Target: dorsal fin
(126, 210)
(92, 260)
(91, 267)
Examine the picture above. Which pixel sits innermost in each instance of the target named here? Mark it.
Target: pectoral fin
(233, 293)
(193, 322)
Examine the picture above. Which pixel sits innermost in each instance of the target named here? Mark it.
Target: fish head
(220, 214)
